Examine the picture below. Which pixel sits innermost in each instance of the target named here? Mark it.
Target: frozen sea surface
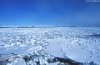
(81, 44)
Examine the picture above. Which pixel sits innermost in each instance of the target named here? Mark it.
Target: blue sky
(49, 12)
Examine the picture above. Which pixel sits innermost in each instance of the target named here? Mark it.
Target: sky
(50, 12)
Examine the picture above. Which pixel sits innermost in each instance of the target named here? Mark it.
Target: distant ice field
(81, 44)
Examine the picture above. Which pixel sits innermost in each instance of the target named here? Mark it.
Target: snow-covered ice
(81, 44)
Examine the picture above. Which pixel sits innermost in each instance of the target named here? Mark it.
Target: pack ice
(34, 46)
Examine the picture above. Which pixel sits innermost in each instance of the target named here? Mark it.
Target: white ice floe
(81, 44)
